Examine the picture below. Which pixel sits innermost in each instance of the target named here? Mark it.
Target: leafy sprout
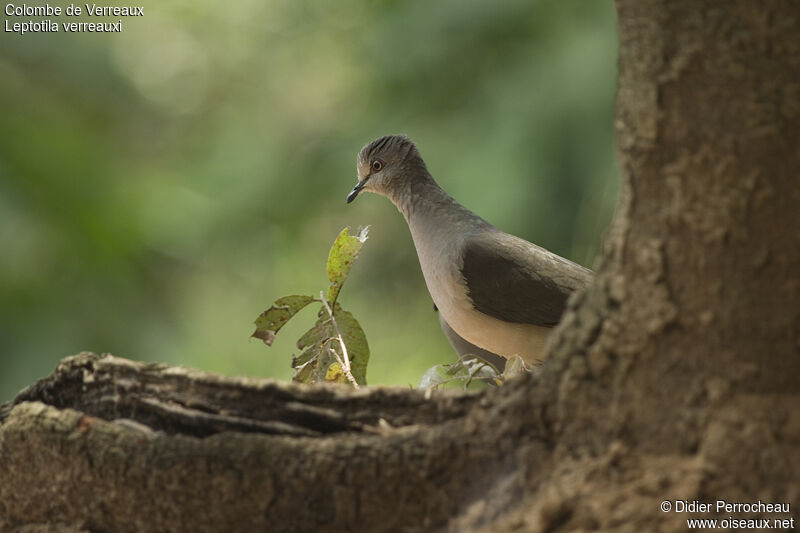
(335, 348)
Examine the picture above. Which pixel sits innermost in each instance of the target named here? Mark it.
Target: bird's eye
(377, 165)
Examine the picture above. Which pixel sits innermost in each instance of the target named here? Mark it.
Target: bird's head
(388, 166)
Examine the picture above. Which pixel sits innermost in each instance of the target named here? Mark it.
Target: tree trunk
(674, 377)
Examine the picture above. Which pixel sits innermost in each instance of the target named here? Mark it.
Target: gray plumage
(493, 290)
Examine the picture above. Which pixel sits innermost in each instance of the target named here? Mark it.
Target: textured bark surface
(675, 376)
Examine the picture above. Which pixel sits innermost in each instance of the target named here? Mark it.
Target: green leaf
(317, 363)
(306, 356)
(270, 321)
(356, 342)
(306, 364)
(320, 345)
(322, 330)
(324, 362)
(340, 259)
(302, 374)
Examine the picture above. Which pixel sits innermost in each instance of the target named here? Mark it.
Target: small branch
(346, 363)
(472, 372)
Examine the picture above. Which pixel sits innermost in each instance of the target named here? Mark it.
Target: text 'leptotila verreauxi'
(496, 291)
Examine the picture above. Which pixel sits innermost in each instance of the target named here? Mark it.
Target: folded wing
(513, 280)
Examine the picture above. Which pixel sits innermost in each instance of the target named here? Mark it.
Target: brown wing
(513, 280)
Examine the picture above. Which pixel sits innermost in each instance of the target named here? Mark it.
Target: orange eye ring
(377, 165)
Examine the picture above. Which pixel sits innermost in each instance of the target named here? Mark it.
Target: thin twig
(472, 374)
(346, 363)
(327, 347)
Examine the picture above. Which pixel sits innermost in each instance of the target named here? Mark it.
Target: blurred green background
(160, 187)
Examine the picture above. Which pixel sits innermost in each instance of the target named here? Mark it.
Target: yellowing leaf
(335, 374)
(341, 257)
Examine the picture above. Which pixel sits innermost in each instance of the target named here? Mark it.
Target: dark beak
(356, 190)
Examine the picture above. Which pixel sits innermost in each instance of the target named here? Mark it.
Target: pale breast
(438, 251)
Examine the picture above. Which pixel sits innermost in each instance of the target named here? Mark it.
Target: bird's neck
(422, 198)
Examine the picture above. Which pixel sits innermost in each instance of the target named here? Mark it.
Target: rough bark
(675, 376)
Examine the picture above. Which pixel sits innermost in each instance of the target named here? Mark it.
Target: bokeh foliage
(160, 187)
